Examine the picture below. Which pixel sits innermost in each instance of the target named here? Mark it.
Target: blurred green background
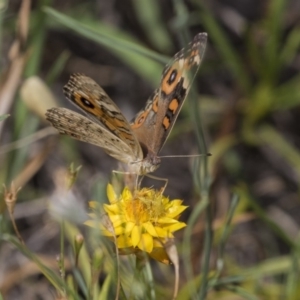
(243, 109)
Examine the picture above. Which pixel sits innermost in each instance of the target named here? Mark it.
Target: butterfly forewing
(87, 95)
(155, 122)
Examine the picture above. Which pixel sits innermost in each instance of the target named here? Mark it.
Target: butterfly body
(136, 143)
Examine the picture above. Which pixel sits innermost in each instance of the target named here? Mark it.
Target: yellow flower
(143, 221)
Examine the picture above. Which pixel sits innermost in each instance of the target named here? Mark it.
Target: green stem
(62, 250)
(207, 249)
(202, 181)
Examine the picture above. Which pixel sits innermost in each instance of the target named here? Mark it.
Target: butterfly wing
(79, 127)
(153, 125)
(86, 94)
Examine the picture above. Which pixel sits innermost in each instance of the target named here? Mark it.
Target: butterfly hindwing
(79, 127)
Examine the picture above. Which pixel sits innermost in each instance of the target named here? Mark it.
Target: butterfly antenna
(191, 155)
(172, 156)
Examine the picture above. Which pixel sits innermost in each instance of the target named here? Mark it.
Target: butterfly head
(148, 164)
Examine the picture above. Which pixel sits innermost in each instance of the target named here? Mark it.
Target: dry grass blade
(171, 249)
(10, 198)
(35, 164)
(17, 59)
(29, 268)
(45, 132)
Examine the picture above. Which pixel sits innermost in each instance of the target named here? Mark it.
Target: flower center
(145, 206)
(136, 211)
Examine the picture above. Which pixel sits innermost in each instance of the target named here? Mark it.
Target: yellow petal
(136, 235)
(124, 241)
(161, 255)
(112, 208)
(117, 220)
(111, 195)
(166, 202)
(119, 230)
(146, 243)
(161, 232)
(166, 220)
(158, 243)
(128, 227)
(148, 226)
(176, 202)
(175, 211)
(126, 194)
(174, 227)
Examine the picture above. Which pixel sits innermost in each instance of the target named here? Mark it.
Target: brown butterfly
(139, 142)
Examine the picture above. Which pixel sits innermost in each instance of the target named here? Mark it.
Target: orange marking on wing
(96, 111)
(155, 104)
(166, 123)
(194, 53)
(77, 97)
(140, 119)
(126, 136)
(117, 123)
(122, 134)
(111, 124)
(166, 87)
(173, 106)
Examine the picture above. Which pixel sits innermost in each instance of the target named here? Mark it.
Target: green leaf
(274, 29)
(273, 139)
(139, 58)
(51, 276)
(151, 19)
(291, 46)
(287, 95)
(227, 50)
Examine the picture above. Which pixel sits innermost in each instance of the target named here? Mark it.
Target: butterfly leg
(139, 181)
(166, 180)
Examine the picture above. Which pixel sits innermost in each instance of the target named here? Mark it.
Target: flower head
(143, 220)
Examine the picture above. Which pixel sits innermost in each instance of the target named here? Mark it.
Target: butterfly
(136, 143)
